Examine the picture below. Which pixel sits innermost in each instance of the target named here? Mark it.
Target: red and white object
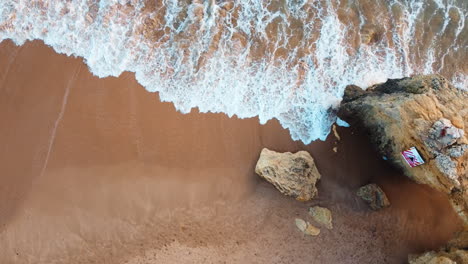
(412, 157)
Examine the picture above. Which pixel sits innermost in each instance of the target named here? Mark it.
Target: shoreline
(90, 163)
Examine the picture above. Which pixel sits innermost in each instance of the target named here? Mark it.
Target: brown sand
(99, 171)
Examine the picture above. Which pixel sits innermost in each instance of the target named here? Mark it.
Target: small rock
(301, 224)
(322, 215)
(312, 230)
(373, 195)
(292, 174)
(306, 227)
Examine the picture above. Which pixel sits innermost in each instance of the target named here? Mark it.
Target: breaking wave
(283, 59)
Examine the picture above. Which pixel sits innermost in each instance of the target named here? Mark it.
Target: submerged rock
(292, 174)
(425, 112)
(374, 196)
(371, 34)
(322, 215)
(306, 227)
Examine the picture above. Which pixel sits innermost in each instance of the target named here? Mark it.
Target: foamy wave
(289, 60)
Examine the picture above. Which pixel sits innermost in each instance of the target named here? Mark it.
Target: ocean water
(283, 59)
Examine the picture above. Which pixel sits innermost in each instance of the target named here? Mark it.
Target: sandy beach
(100, 171)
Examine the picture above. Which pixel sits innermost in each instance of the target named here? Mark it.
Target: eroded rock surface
(374, 196)
(292, 174)
(425, 112)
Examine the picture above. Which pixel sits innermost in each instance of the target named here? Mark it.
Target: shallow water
(288, 60)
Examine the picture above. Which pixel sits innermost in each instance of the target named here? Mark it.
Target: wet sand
(100, 171)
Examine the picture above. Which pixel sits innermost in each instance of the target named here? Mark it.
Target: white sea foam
(207, 58)
(342, 123)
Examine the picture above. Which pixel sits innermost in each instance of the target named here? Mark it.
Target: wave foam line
(289, 60)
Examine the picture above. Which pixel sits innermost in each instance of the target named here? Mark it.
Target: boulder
(425, 112)
(292, 174)
(322, 216)
(374, 196)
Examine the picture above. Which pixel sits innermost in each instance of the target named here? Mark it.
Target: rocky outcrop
(292, 174)
(441, 257)
(459, 241)
(322, 216)
(455, 252)
(373, 195)
(425, 112)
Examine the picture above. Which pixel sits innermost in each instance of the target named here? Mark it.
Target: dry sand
(100, 171)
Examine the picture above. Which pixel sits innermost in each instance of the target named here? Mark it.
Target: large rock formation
(455, 252)
(455, 256)
(425, 112)
(292, 174)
